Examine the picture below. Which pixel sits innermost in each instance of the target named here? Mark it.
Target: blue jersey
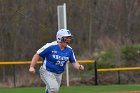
(54, 59)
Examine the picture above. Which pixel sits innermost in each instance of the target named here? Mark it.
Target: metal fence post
(119, 79)
(96, 74)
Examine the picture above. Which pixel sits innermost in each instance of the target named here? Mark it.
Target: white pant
(52, 80)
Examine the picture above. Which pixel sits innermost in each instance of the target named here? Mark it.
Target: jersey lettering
(60, 57)
(60, 63)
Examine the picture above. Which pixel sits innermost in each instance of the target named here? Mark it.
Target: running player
(54, 57)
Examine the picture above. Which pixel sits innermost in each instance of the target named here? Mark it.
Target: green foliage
(131, 52)
(123, 56)
(104, 58)
(106, 55)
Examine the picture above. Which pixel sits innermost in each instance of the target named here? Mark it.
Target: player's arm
(33, 63)
(75, 64)
(42, 52)
(78, 66)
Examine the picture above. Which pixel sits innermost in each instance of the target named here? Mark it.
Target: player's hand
(32, 70)
(81, 67)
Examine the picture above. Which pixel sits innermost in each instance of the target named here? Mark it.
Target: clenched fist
(81, 67)
(32, 70)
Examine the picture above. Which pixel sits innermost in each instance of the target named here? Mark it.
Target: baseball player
(54, 58)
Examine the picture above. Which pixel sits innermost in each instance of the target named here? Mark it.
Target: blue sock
(47, 91)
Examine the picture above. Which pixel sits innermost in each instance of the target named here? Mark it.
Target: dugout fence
(13, 66)
(121, 74)
(97, 73)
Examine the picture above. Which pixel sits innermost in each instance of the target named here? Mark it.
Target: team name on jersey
(60, 57)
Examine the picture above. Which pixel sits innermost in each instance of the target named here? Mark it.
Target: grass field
(77, 89)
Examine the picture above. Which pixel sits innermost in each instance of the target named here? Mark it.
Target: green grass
(75, 89)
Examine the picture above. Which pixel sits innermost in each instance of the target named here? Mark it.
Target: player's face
(65, 42)
(67, 39)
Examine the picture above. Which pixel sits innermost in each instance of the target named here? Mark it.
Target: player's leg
(46, 91)
(58, 78)
(49, 79)
(42, 73)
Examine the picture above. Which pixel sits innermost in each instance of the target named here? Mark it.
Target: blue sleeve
(72, 58)
(45, 52)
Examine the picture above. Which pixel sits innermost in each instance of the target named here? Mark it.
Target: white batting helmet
(62, 33)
